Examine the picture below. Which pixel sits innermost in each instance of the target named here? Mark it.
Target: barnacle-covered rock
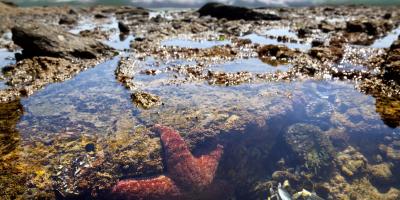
(146, 100)
(275, 54)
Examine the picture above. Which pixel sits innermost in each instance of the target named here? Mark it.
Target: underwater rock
(319, 108)
(145, 100)
(361, 188)
(311, 146)
(186, 174)
(390, 151)
(351, 162)
(229, 12)
(41, 40)
(381, 173)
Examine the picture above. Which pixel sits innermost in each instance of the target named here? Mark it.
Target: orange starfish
(185, 175)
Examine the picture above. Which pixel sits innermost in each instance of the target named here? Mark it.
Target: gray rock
(228, 12)
(41, 40)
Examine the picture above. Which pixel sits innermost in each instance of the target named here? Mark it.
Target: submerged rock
(228, 12)
(351, 162)
(381, 173)
(41, 40)
(311, 146)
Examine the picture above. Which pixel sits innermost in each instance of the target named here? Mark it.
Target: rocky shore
(295, 120)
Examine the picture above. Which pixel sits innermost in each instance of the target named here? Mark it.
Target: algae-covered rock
(351, 162)
(312, 147)
(381, 173)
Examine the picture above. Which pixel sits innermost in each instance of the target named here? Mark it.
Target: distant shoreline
(198, 4)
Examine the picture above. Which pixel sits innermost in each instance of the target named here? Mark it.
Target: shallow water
(253, 65)
(265, 127)
(6, 58)
(91, 102)
(386, 41)
(265, 41)
(250, 120)
(186, 43)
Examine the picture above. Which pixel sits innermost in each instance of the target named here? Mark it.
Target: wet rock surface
(40, 40)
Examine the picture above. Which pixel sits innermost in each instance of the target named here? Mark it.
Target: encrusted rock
(331, 53)
(145, 100)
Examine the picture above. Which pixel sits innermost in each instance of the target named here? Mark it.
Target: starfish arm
(187, 171)
(161, 187)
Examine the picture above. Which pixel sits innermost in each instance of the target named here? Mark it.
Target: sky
(199, 3)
